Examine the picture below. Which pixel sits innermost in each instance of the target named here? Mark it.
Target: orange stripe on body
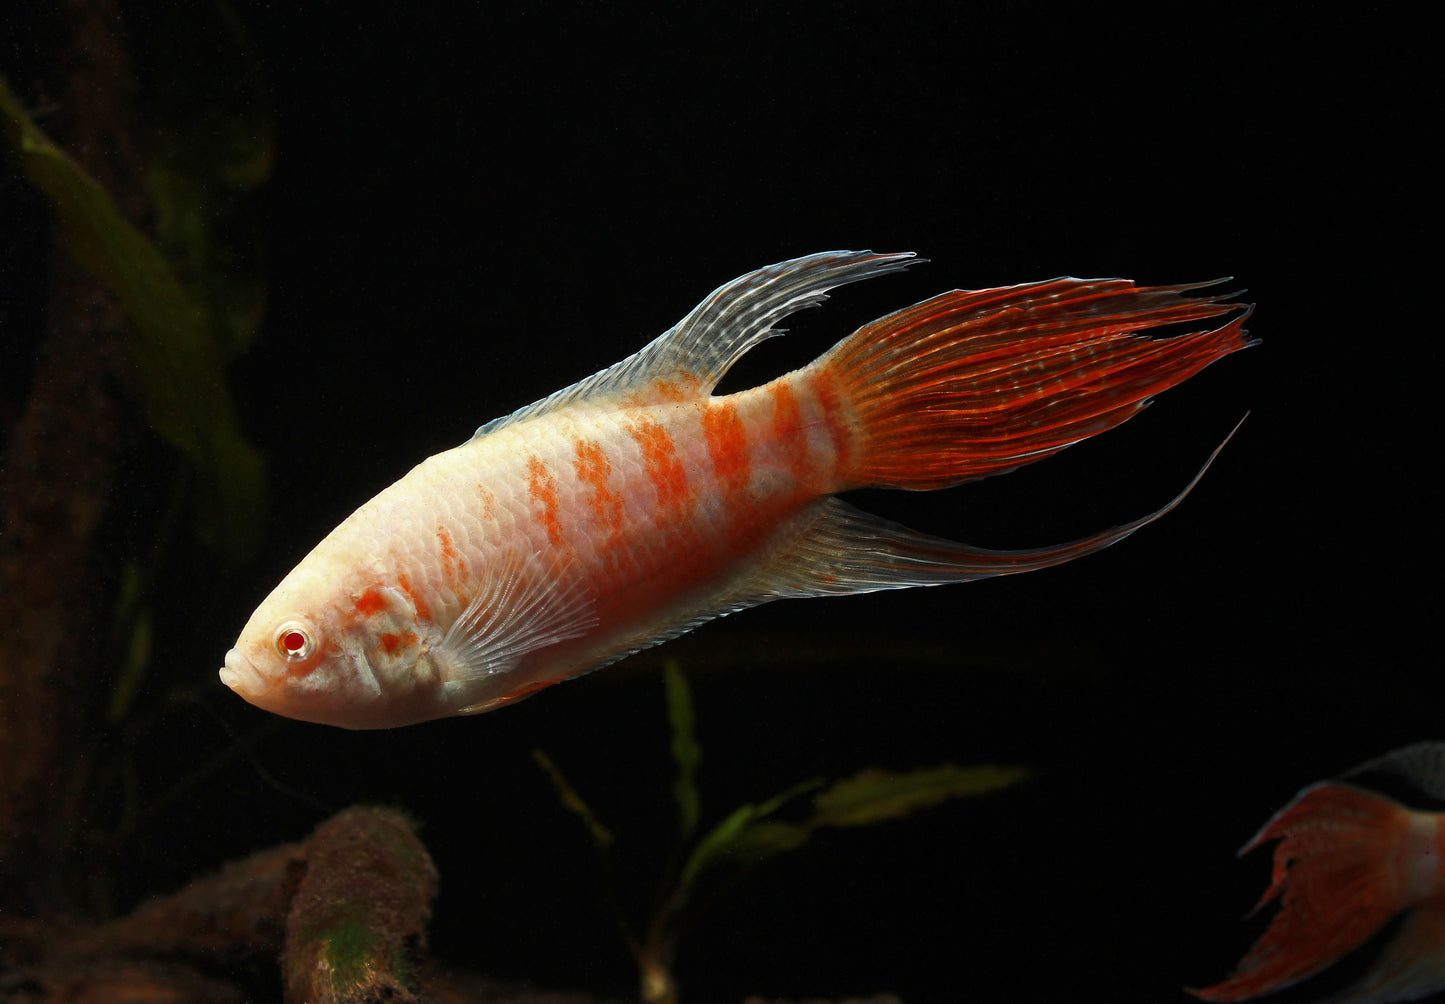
(825, 387)
(542, 487)
(423, 609)
(788, 431)
(595, 471)
(750, 518)
(451, 558)
(727, 446)
(489, 503)
(672, 553)
(659, 461)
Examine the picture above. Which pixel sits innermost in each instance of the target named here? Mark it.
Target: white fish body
(633, 505)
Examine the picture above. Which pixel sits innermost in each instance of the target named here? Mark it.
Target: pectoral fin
(520, 607)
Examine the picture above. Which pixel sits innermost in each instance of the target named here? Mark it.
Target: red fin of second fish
(1337, 874)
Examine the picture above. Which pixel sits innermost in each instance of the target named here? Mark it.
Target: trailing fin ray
(846, 550)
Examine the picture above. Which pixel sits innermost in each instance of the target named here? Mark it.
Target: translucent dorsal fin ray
(727, 323)
(1421, 765)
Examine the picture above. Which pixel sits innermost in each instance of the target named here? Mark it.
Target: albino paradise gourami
(1349, 861)
(634, 505)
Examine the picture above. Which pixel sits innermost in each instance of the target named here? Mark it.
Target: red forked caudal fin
(976, 382)
(1348, 860)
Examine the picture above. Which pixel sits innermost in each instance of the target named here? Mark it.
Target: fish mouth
(241, 676)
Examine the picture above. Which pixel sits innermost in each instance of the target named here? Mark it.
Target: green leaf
(601, 836)
(686, 753)
(743, 831)
(212, 143)
(766, 838)
(875, 795)
(133, 617)
(175, 350)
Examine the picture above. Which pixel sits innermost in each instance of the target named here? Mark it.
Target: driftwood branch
(57, 486)
(357, 923)
(340, 918)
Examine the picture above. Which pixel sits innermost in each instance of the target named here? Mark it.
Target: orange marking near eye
(594, 469)
(391, 642)
(659, 460)
(727, 446)
(370, 602)
(423, 610)
(542, 487)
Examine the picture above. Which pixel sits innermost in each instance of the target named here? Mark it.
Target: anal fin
(845, 550)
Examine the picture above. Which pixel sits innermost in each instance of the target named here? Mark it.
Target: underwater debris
(358, 919)
(339, 918)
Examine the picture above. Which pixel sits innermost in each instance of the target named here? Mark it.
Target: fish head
(318, 650)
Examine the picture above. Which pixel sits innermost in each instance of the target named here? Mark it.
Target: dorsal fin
(1421, 765)
(730, 321)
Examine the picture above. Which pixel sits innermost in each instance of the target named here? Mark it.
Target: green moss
(350, 948)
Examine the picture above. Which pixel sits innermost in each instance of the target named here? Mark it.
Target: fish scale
(635, 504)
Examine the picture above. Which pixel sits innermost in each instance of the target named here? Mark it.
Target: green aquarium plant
(194, 291)
(186, 332)
(133, 490)
(751, 833)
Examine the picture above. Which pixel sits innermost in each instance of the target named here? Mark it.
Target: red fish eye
(294, 641)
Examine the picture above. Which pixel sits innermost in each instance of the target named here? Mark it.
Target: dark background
(472, 207)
